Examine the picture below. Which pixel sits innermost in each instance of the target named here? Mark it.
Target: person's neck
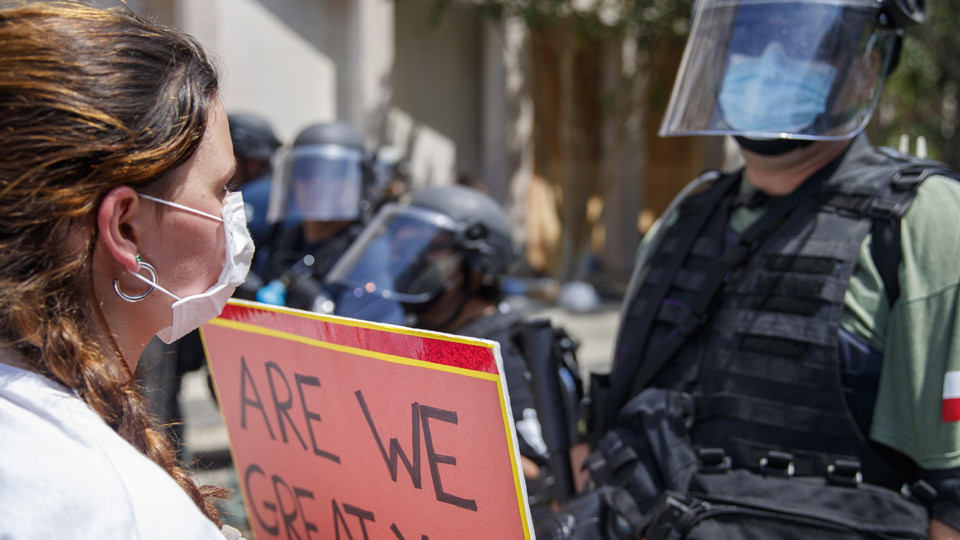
(473, 308)
(781, 174)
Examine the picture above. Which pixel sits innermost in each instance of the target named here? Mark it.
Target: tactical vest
(749, 323)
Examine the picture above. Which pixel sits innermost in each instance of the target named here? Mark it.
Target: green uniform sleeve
(921, 334)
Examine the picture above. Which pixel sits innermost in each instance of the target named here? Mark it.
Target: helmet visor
(780, 69)
(323, 182)
(406, 254)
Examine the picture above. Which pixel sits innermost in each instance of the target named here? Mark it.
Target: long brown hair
(90, 99)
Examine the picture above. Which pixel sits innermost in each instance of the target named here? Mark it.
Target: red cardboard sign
(344, 429)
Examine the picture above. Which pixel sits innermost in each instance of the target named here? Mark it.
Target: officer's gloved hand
(273, 293)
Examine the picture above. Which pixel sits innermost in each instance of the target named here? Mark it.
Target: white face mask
(192, 311)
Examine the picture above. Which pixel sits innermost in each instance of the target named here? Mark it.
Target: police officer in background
(447, 250)
(254, 143)
(391, 171)
(790, 340)
(326, 175)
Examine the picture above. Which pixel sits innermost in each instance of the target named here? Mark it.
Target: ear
(118, 224)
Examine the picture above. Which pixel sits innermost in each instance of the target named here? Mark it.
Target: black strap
(735, 256)
(885, 248)
(696, 218)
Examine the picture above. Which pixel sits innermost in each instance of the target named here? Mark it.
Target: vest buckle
(882, 209)
(922, 491)
(777, 464)
(713, 460)
(845, 472)
(911, 174)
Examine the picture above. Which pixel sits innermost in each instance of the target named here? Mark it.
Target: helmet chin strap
(771, 147)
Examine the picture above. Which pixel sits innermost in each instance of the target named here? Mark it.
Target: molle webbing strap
(886, 212)
(773, 414)
(694, 215)
(687, 318)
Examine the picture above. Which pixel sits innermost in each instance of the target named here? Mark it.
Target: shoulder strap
(693, 316)
(694, 214)
(887, 211)
(885, 249)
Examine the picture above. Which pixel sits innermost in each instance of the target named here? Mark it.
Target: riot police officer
(391, 171)
(446, 251)
(254, 143)
(326, 176)
(788, 344)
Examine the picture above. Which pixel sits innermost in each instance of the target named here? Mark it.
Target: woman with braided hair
(116, 225)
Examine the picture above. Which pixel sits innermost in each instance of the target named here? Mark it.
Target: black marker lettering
(282, 408)
(395, 449)
(338, 519)
(272, 529)
(309, 415)
(435, 459)
(289, 518)
(362, 515)
(300, 494)
(258, 404)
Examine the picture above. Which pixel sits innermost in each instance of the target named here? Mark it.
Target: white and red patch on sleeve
(951, 397)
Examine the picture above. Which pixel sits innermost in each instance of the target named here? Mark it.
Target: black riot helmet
(786, 69)
(410, 252)
(253, 137)
(324, 175)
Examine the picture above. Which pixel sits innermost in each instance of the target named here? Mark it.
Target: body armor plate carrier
(765, 371)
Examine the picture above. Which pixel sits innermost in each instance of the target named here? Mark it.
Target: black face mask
(772, 147)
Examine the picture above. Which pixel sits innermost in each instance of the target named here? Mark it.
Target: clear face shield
(406, 254)
(321, 182)
(768, 69)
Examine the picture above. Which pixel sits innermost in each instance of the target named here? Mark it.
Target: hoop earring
(136, 298)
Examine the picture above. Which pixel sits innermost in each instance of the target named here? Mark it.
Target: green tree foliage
(593, 19)
(921, 96)
(568, 39)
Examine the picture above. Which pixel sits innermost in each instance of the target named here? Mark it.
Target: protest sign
(342, 429)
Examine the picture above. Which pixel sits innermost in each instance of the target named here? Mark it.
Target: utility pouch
(741, 505)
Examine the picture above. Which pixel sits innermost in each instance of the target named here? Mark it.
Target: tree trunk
(567, 97)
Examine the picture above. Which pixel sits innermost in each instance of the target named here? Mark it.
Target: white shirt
(64, 473)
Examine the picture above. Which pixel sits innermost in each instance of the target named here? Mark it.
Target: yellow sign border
(519, 488)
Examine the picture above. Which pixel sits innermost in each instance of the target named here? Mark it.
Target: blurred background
(551, 106)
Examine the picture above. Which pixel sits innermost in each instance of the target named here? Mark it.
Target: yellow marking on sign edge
(254, 329)
(515, 470)
(517, 477)
(356, 323)
(233, 458)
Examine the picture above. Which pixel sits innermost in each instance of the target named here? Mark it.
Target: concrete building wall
(285, 59)
(438, 91)
(376, 64)
(453, 95)
(436, 105)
